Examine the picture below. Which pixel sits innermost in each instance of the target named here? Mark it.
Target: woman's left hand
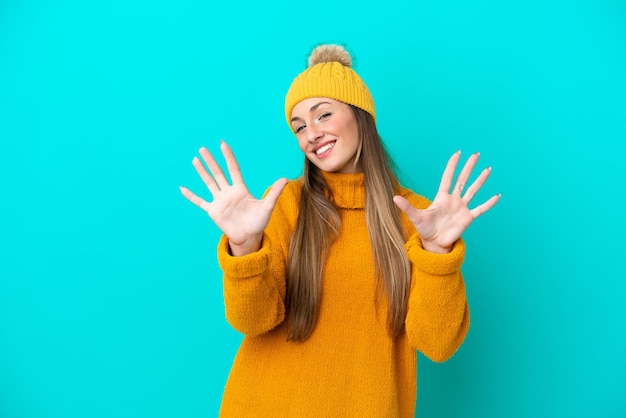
(443, 222)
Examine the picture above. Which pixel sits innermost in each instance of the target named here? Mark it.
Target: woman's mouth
(325, 150)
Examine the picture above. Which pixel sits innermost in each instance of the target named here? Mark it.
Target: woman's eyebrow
(312, 109)
(317, 105)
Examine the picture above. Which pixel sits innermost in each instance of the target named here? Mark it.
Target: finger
(407, 208)
(461, 180)
(214, 167)
(199, 202)
(448, 173)
(277, 188)
(482, 209)
(231, 163)
(204, 175)
(476, 185)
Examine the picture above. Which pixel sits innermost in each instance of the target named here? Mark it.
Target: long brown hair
(318, 225)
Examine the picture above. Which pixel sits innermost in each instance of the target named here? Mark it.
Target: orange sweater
(349, 366)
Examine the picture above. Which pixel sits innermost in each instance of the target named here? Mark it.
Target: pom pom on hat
(330, 53)
(330, 74)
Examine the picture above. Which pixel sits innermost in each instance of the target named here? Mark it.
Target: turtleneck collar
(348, 189)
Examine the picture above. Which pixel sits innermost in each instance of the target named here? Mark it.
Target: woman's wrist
(434, 248)
(249, 246)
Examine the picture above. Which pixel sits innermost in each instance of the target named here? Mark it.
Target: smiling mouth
(325, 148)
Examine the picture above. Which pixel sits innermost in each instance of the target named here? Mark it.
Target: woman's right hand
(240, 216)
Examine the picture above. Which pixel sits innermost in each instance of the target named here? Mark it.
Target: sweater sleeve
(251, 296)
(438, 313)
(254, 284)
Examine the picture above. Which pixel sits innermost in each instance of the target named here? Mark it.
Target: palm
(239, 215)
(448, 216)
(444, 221)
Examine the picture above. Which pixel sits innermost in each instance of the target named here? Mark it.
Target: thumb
(416, 216)
(275, 191)
(404, 205)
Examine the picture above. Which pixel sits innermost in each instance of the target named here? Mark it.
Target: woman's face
(327, 133)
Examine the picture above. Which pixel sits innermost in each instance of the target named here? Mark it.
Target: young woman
(338, 277)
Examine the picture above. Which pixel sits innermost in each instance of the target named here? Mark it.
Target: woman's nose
(313, 133)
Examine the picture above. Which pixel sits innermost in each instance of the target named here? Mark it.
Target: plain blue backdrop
(110, 294)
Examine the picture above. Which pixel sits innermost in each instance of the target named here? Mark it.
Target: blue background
(110, 294)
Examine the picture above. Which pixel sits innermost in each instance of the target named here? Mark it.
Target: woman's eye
(299, 128)
(325, 115)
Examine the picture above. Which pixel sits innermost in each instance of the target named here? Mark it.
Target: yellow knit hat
(330, 74)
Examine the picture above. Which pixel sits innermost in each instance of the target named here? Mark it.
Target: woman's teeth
(324, 148)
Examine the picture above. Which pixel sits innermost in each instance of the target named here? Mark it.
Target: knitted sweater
(349, 366)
